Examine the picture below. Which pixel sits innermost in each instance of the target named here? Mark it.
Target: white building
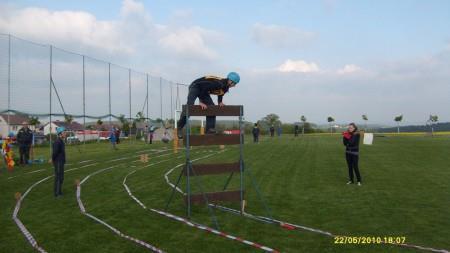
(12, 123)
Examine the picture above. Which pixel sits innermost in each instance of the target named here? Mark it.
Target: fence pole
(148, 116)
(129, 99)
(171, 101)
(160, 98)
(9, 81)
(50, 90)
(109, 92)
(84, 103)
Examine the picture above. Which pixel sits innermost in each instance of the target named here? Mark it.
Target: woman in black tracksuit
(351, 142)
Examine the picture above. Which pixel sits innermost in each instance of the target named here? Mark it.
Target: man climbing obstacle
(202, 88)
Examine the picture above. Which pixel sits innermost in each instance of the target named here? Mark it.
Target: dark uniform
(59, 159)
(255, 132)
(202, 88)
(272, 131)
(24, 139)
(296, 130)
(352, 155)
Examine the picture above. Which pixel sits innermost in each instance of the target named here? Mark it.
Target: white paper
(368, 139)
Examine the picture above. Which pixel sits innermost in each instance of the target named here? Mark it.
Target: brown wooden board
(213, 169)
(215, 110)
(212, 139)
(214, 197)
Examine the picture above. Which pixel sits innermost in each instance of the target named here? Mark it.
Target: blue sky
(333, 45)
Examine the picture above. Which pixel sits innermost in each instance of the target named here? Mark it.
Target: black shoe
(211, 131)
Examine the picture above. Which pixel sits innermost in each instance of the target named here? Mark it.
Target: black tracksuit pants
(59, 177)
(352, 163)
(24, 153)
(194, 93)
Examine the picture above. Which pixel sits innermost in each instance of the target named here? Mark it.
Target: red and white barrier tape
(193, 224)
(116, 231)
(291, 226)
(19, 223)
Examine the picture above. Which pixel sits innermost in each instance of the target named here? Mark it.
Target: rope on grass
(115, 230)
(193, 224)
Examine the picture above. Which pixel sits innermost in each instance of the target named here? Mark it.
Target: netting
(43, 80)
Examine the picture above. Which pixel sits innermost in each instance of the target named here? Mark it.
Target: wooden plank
(213, 139)
(215, 110)
(213, 169)
(214, 197)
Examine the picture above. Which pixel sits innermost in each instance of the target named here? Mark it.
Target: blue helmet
(59, 130)
(234, 77)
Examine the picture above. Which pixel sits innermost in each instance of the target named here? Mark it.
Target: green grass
(405, 192)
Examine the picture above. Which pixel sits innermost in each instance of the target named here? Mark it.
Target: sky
(314, 58)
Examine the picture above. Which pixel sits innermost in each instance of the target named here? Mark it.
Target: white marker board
(368, 139)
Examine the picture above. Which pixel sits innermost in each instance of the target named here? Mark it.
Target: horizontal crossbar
(213, 139)
(213, 197)
(213, 169)
(215, 110)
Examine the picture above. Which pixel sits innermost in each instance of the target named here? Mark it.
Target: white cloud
(349, 69)
(132, 33)
(298, 66)
(276, 36)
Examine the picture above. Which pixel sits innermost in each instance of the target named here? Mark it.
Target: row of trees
(273, 119)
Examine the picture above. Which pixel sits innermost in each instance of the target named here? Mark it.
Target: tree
(124, 122)
(68, 119)
(271, 119)
(34, 121)
(365, 118)
(99, 122)
(330, 122)
(398, 119)
(303, 119)
(433, 119)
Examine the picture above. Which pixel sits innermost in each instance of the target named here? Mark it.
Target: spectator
(59, 159)
(113, 138)
(272, 131)
(279, 131)
(24, 139)
(351, 142)
(296, 130)
(255, 132)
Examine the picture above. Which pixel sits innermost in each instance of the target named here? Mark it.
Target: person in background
(255, 132)
(272, 131)
(7, 152)
(203, 88)
(113, 138)
(24, 139)
(58, 160)
(151, 134)
(117, 135)
(279, 131)
(351, 142)
(296, 130)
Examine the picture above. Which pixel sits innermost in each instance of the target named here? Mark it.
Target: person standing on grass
(279, 131)
(272, 131)
(202, 89)
(296, 130)
(351, 142)
(24, 139)
(117, 133)
(59, 159)
(255, 132)
(112, 138)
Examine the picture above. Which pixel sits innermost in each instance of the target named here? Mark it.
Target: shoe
(211, 131)
(359, 184)
(350, 182)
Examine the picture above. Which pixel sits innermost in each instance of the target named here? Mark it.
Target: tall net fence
(49, 82)
(54, 84)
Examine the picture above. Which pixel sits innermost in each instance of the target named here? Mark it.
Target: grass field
(405, 192)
